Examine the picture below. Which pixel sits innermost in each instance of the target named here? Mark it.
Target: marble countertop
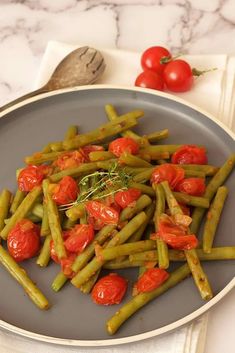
(184, 26)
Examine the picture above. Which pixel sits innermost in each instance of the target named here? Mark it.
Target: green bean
(191, 200)
(39, 157)
(100, 156)
(83, 189)
(142, 299)
(213, 217)
(45, 252)
(220, 253)
(190, 173)
(37, 210)
(149, 211)
(23, 279)
(126, 249)
(159, 149)
(45, 229)
(128, 212)
(23, 209)
(120, 238)
(112, 128)
(68, 224)
(206, 169)
(18, 198)
(126, 263)
(157, 135)
(154, 155)
(71, 132)
(133, 171)
(162, 248)
(161, 161)
(87, 286)
(133, 161)
(83, 258)
(143, 176)
(112, 115)
(46, 148)
(57, 146)
(5, 201)
(217, 180)
(54, 222)
(199, 276)
(74, 172)
(75, 212)
(148, 190)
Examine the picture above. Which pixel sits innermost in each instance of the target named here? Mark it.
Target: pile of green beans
(128, 243)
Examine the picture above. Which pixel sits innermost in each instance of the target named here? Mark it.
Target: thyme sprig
(108, 183)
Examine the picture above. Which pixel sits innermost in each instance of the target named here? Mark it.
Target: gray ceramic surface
(73, 315)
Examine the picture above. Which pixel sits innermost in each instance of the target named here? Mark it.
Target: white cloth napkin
(213, 93)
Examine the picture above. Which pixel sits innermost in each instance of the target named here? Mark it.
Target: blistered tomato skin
(23, 241)
(189, 154)
(167, 172)
(126, 197)
(151, 59)
(66, 191)
(105, 214)
(123, 144)
(151, 279)
(192, 186)
(80, 236)
(109, 290)
(30, 177)
(70, 160)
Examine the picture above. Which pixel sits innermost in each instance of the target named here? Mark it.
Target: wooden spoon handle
(24, 97)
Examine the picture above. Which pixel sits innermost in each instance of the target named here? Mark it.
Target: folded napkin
(213, 93)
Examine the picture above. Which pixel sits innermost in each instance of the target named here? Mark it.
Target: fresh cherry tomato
(126, 197)
(151, 59)
(66, 264)
(31, 176)
(105, 214)
(178, 76)
(23, 241)
(150, 79)
(66, 191)
(86, 150)
(167, 172)
(123, 144)
(109, 290)
(192, 186)
(151, 279)
(70, 160)
(189, 154)
(80, 236)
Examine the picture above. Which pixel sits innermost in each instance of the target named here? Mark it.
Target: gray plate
(73, 316)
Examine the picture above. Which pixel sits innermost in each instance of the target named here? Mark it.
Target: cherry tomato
(109, 290)
(123, 144)
(178, 76)
(150, 79)
(23, 241)
(80, 236)
(90, 148)
(31, 176)
(126, 197)
(151, 279)
(185, 209)
(166, 224)
(189, 154)
(66, 191)
(66, 264)
(167, 172)
(105, 214)
(151, 59)
(192, 186)
(69, 160)
(54, 257)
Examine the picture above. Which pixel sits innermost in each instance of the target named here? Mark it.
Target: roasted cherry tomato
(192, 186)
(152, 57)
(109, 290)
(126, 197)
(189, 154)
(167, 172)
(150, 79)
(70, 160)
(88, 149)
(31, 176)
(23, 241)
(105, 214)
(54, 257)
(123, 144)
(151, 279)
(80, 236)
(178, 76)
(66, 191)
(66, 265)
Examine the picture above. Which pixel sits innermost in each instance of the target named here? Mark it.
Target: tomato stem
(198, 73)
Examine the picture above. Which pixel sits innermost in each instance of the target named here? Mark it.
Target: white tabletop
(191, 26)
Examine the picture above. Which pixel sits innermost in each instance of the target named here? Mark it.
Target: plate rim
(150, 334)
